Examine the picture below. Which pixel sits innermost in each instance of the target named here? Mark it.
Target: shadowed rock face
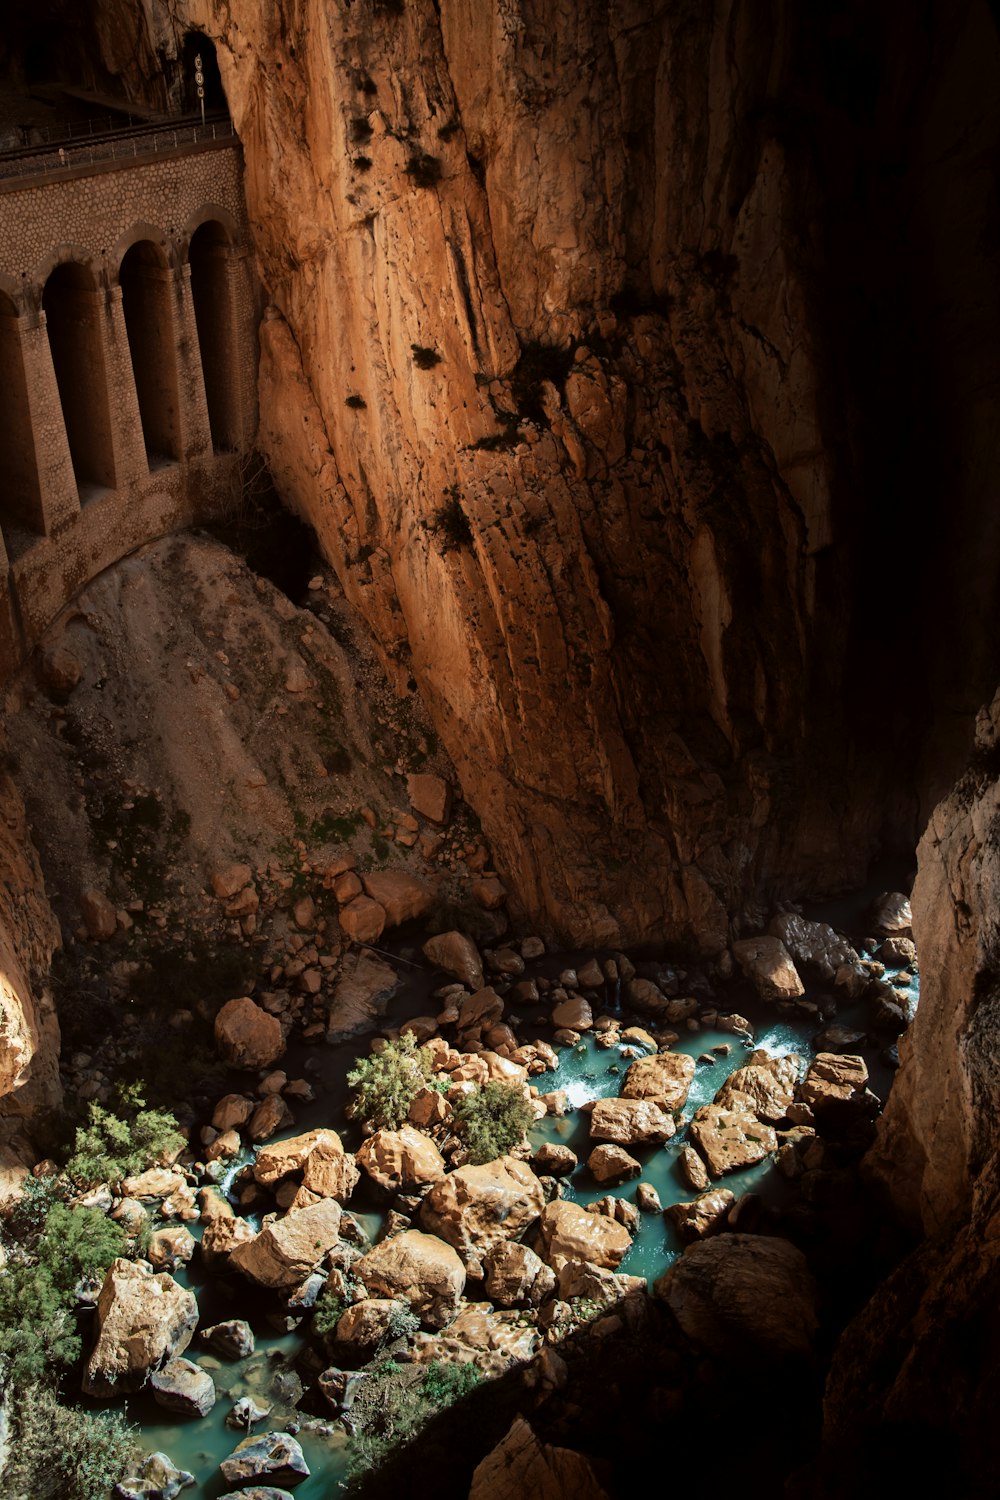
(596, 343)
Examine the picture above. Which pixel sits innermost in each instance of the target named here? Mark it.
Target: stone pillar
(195, 431)
(127, 441)
(243, 322)
(58, 493)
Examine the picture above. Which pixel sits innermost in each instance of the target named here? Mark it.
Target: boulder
(554, 1160)
(156, 1479)
(665, 1077)
(630, 1122)
(744, 1297)
(575, 1013)
(258, 1492)
(418, 1268)
(705, 1215)
(769, 1084)
(271, 1115)
(362, 920)
(515, 1276)
(476, 1208)
(892, 915)
(142, 1321)
(647, 1198)
(898, 952)
(833, 1078)
(154, 1185)
(99, 916)
(521, 1466)
(693, 1169)
(169, 1248)
(488, 893)
(482, 1009)
(457, 955)
(612, 1164)
(363, 1328)
(402, 897)
(271, 1455)
(285, 1252)
(228, 880)
(328, 1170)
(230, 1340)
(247, 1036)
(429, 1108)
(401, 1159)
(767, 963)
(429, 795)
(568, 1232)
(813, 943)
(183, 1387)
(222, 1236)
(246, 1413)
(232, 1111)
(731, 1138)
(360, 995)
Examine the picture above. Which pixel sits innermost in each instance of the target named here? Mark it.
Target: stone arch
(16, 292)
(74, 310)
(64, 255)
(151, 234)
(210, 213)
(22, 515)
(146, 283)
(210, 254)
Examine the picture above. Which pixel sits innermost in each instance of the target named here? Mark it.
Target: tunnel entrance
(22, 501)
(196, 44)
(72, 305)
(147, 303)
(210, 291)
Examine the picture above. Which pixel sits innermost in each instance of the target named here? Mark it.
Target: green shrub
(112, 1146)
(493, 1120)
(387, 1082)
(59, 1453)
(327, 1313)
(396, 1400)
(445, 1383)
(37, 1295)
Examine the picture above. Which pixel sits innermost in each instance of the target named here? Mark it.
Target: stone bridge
(128, 361)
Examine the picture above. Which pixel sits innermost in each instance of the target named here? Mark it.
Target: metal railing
(124, 147)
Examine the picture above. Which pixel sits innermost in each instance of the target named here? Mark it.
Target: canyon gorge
(624, 452)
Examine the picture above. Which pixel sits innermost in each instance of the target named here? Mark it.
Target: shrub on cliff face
(387, 1082)
(493, 1120)
(111, 1146)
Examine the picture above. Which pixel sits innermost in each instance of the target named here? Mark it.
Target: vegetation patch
(493, 1120)
(449, 522)
(395, 1401)
(423, 170)
(424, 358)
(387, 1082)
(112, 1146)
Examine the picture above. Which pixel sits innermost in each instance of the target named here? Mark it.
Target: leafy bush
(493, 1120)
(387, 1082)
(37, 1295)
(111, 1146)
(327, 1313)
(59, 1453)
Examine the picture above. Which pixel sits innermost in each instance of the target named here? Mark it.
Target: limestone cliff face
(930, 1329)
(29, 1031)
(583, 360)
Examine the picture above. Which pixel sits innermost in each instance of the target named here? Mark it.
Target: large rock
(401, 1158)
(143, 1320)
(419, 1269)
(363, 1329)
(360, 996)
(184, 1387)
(516, 1276)
(612, 1164)
(568, 1232)
(892, 915)
(476, 1208)
(769, 1084)
(458, 955)
(705, 1215)
(157, 1478)
(224, 1234)
(481, 1009)
(328, 1170)
(429, 795)
(664, 1078)
(231, 1340)
(282, 1255)
(744, 1297)
(271, 1455)
(362, 920)
(813, 943)
(767, 963)
(402, 897)
(522, 1467)
(630, 1122)
(834, 1078)
(246, 1036)
(733, 1137)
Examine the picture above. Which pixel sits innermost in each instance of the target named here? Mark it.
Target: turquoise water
(585, 1072)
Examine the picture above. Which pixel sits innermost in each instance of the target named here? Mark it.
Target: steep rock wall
(651, 233)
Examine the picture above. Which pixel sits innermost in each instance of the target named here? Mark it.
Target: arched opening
(196, 44)
(213, 312)
(147, 302)
(73, 313)
(22, 502)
